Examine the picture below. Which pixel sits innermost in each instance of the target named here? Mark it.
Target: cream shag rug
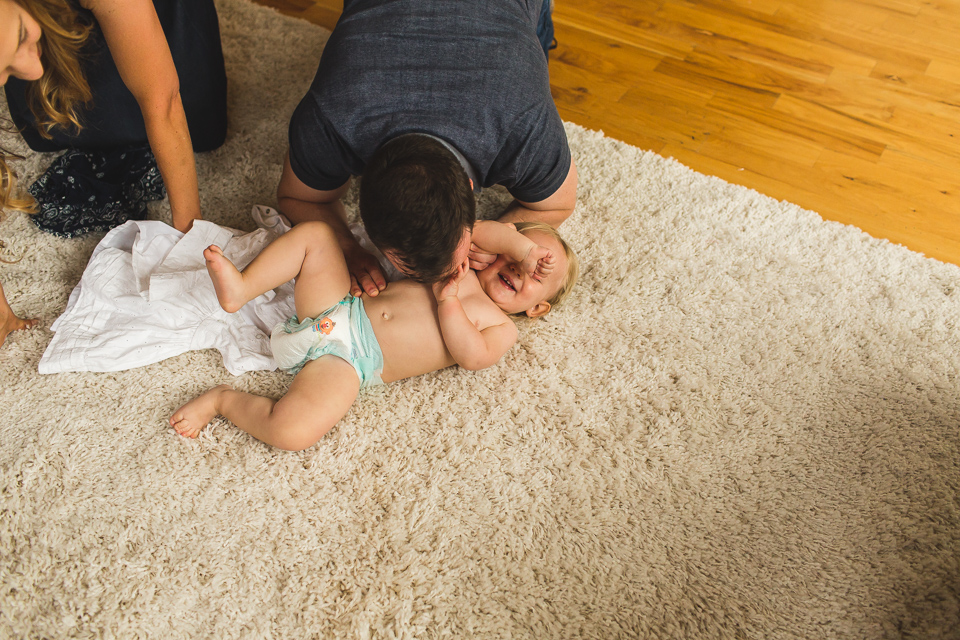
(744, 424)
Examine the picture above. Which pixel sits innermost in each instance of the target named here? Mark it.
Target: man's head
(418, 206)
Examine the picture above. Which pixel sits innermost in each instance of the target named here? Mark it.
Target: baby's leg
(318, 398)
(309, 252)
(190, 419)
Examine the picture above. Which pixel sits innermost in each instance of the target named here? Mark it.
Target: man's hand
(450, 287)
(366, 276)
(539, 262)
(301, 203)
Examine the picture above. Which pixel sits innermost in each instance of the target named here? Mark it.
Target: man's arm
(300, 203)
(554, 210)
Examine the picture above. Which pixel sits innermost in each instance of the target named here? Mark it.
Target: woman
(103, 74)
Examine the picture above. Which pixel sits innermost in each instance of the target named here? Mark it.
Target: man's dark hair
(416, 201)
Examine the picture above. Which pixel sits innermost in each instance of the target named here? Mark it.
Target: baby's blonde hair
(573, 262)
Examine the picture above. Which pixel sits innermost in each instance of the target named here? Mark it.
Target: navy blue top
(114, 119)
(471, 72)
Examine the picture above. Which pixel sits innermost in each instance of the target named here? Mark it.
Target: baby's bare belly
(404, 319)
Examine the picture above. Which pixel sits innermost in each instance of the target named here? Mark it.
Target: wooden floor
(850, 108)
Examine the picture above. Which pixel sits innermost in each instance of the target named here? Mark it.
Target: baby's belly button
(385, 315)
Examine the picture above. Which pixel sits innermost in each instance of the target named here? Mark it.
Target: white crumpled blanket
(146, 296)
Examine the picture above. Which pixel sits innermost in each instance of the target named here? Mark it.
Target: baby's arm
(495, 237)
(471, 348)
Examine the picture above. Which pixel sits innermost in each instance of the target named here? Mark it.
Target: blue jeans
(545, 28)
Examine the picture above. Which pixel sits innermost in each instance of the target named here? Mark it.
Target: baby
(337, 344)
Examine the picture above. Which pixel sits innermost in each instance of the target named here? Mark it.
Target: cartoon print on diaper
(325, 325)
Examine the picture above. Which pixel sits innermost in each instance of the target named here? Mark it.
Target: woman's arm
(139, 48)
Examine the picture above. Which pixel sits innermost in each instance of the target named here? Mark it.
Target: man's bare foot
(227, 280)
(10, 322)
(192, 417)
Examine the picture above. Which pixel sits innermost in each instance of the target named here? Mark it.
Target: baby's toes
(184, 428)
(212, 254)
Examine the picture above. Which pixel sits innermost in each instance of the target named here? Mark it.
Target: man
(428, 100)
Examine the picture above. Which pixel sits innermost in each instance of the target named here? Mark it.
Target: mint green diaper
(343, 330)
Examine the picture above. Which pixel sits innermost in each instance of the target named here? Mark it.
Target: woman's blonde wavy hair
(56, 97)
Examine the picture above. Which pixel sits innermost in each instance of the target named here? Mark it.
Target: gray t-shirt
(469, 72)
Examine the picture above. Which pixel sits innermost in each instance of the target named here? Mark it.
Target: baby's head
(516, 292)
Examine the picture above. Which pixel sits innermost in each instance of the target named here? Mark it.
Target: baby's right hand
(539, 262)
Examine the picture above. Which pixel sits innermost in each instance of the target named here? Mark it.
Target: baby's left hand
(539, 262)
(450, 287)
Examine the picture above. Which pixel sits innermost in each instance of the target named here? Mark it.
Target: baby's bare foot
(227, 281)
(192, 417)
(10, 322)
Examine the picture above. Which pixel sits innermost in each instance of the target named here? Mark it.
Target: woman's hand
(139, 48)
(184, 224)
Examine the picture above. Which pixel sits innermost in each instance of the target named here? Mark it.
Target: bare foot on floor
(10, 322)
(227, 281)
(192, 417)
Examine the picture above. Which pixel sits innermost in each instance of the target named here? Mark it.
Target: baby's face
(515, 291)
